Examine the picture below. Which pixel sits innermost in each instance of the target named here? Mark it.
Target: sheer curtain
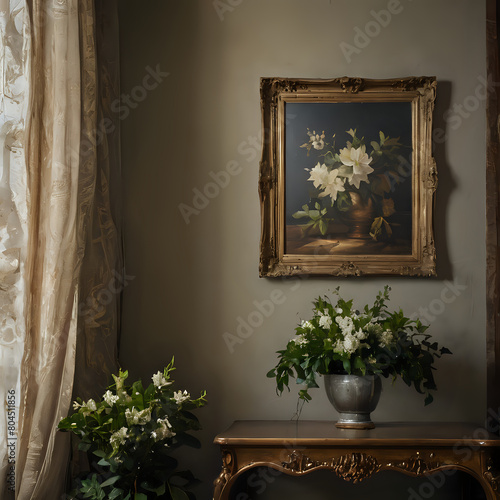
(14, 96)
(68, 252)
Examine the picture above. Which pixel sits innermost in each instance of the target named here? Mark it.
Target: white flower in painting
(180, 396)
(317, 140)
(159, 380)
(318, 175)
(118, 438)
(325, 322)
(360, 163)
(110, 398)
(338, 310)
(333, 185)
(76, 405)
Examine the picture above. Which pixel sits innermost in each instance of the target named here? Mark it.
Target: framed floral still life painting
(347, 178)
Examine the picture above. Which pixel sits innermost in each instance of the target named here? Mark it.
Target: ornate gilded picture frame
(347, 177)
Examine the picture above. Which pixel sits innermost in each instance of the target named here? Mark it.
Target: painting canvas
(347, 177)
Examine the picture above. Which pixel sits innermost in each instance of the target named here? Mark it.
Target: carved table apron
(416, 449)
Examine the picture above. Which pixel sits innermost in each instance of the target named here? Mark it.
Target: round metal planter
(354, 397)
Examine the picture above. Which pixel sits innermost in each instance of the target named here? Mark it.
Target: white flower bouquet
(132, 432)
(340, 339)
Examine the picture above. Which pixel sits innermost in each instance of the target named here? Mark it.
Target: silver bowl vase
(354, 397)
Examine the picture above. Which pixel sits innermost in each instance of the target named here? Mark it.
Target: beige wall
(193, 281)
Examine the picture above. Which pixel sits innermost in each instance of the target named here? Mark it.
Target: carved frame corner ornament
(311, 255)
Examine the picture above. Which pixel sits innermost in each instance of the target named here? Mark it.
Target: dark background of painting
(368, 118)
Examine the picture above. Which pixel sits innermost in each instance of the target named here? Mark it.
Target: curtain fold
(102, 275)
(72, 249)
(14, 98)
(52, 159)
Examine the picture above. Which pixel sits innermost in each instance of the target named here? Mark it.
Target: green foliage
(131, 434)
(317, 218)
(339, 339)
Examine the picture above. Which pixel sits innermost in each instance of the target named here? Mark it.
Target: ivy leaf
(115, 493)
(392, 142)
(83, 446)
(110, 481)
(303, 394)
(300, 214)
(347, 365)
(359, 365)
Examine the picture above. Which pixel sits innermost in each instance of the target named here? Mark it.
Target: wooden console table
(416, 449)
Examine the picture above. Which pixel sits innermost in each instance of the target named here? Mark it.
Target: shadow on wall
(446, 182)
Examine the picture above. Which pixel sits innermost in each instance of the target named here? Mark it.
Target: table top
(324, 433)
